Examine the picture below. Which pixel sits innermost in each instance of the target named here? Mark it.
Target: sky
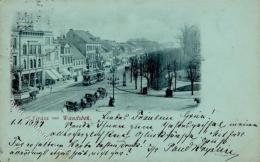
(118, 20)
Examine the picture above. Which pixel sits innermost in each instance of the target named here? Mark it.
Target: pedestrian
(111, 102)
(51, 88)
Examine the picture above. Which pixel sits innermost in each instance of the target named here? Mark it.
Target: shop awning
(58, 75)
(65, 72)
(51, 75)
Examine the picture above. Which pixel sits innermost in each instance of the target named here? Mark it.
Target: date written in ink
(28, 122)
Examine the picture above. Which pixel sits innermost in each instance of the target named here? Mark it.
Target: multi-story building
(35, 58)
(51, 60)
(88, 45)
(79, 61)
(27, 52)
(66, 60)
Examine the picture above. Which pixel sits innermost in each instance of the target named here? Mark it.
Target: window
(14, 43)
(63, 61)
(31, 64)
(24, 49)
(67, 50)
(24, 64)
(34, 63)
(15, 60)
(62, 50)
(39, 62)
(30, 49)
(39, 49)
(34, 49)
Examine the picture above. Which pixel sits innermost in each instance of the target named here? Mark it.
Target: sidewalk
(58, 86)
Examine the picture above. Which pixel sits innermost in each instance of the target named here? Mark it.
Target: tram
(91, 77)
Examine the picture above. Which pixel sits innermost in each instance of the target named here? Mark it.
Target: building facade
(51, 60)
(88, 45)
(79, 62)
(27, 52)
(66, 60)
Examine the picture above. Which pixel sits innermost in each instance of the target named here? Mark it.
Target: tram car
(92, 77)
(100, 75)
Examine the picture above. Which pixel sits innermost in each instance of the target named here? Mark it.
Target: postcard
(111, 80)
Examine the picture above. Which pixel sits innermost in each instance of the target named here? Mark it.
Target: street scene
(77, 71)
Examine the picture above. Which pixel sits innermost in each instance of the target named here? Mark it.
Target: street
(126, 98)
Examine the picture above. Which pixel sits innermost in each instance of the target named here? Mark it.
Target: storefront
(50, 77)
(66, 74)
(57, 74)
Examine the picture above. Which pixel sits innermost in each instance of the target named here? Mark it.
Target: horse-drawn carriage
(71, 106)
(87, 101)
(102, 93)
(90, 98)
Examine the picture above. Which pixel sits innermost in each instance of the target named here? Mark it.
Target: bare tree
(149, 69)
(169, 75)
(175, 68)
(135, 71)
(193, 72)
(141, 73)
(131, 69)
(146, 73)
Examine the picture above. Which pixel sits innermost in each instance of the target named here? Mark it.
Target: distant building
(143, 45)
(88, 45)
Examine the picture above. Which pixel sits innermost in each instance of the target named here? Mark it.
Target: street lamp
(113, 81)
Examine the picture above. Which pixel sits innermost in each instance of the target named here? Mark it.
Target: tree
(141, 73)
(131, 69)
(149, 69)
(135, 74)
(169, 75)
(172, 68)
(135, 71)
(175, 68)
(193, 72)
